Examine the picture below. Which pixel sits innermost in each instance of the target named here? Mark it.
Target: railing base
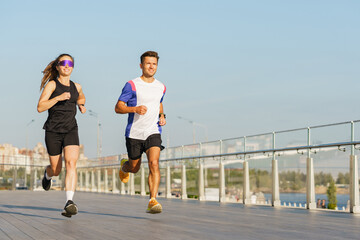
(355, 209)
(276, 203)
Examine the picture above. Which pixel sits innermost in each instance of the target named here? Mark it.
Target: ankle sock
(69, 195)
(47, 176)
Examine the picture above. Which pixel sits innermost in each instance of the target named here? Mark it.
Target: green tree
(331, 195)
(340, 179)
(343, 178)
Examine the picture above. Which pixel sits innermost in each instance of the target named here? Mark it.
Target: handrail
(328, 145)
(277, 132)
(244, 152)
(337, 144)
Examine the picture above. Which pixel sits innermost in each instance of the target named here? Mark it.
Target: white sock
(69, 195)
(47, 176)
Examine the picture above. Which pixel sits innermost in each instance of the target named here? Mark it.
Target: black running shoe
(46, 184)
(70, 209)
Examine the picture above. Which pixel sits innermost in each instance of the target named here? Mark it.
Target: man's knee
(135, 169)
(134, 165)
(154, 165)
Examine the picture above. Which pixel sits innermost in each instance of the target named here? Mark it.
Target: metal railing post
(206, 184)
(310, 180)
(222, 197)
(98, 180)
(246, 187)
(128, 185)
(246, 191)
(201, 181)
(114, 180)
(106, 187)
(275, 199)
(122, 188)
(31, 177)
(132, 184)
(354, 176)
(168, 180)
(354, 185)
(14, 177)
(142, 181)
(201, 176)
(183, 178)
(80, 180)
(87, 183)
(35, 178)
(93, 189)
(183, 182)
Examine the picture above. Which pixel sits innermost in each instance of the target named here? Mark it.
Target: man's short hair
(149, 54)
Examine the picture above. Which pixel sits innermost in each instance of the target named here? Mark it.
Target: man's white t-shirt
(136, 93)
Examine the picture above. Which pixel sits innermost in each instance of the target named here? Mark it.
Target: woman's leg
(55, 166)
(71, 155)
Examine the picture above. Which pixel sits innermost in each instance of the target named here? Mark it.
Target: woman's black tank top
(61, 117)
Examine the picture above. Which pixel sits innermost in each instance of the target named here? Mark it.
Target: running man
(142, 98)
(60, 96)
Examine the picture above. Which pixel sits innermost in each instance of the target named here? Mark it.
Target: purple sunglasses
(64, 62)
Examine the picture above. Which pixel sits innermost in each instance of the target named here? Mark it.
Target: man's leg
(128, 166)
(153, 155)
(132, 166)
(134, 149)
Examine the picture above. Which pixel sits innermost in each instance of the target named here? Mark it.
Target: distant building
(38, 156)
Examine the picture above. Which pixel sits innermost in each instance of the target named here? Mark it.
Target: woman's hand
(82, 108)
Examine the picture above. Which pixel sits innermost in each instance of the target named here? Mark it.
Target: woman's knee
(56, 170)
(70, 165)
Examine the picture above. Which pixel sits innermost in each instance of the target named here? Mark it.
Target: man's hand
(162, 121)
(141, 110)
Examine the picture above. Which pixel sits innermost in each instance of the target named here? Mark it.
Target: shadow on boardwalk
(36, 215)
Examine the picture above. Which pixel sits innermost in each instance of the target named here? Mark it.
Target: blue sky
(236, 67)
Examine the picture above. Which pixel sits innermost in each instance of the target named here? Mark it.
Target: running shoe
(154, 207)
(70, 209)
(124, 176)
(46, 184)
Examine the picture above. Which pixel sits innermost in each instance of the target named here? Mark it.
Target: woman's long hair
(50, 72)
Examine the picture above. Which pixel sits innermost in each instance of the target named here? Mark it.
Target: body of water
(298, 198)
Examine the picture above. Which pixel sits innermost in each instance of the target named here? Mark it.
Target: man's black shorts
(136, 147)
(55, 142)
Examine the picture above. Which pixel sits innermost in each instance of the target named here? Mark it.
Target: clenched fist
(141, 110)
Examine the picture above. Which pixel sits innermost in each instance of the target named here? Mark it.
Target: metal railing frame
(222, 157)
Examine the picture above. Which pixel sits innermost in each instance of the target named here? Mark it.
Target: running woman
(142, 98)
(60, 96)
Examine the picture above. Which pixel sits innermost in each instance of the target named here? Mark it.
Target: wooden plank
(13, 232)
(44, 232)
(31, 215)
(3, 236)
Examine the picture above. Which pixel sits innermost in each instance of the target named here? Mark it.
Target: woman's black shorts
(136, 147)
(55, 142)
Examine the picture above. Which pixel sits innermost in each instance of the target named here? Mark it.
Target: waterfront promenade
(36, 215)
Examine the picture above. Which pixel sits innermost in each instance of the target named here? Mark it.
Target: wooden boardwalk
(36, 215)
